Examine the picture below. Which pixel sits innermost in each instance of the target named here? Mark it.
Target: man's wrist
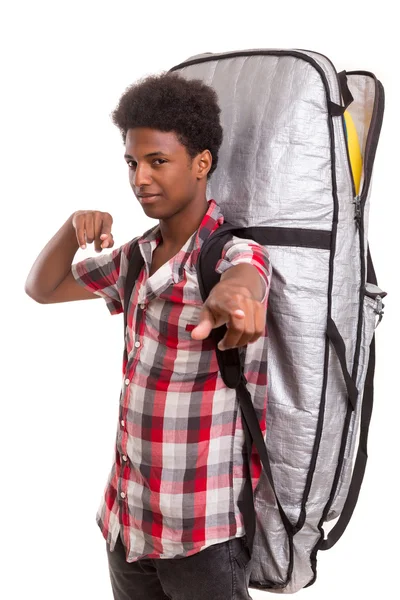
(245, 277)
(237, 287)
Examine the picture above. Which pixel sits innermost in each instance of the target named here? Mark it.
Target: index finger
(235, 329)
(102, 227)
(106, 235)
(80, 231)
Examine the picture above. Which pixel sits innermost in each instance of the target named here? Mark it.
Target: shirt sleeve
(101, 275)
(237, 251)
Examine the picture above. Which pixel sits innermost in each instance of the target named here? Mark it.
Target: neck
(177, 229)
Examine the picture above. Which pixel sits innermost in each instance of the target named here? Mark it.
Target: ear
(203, 164)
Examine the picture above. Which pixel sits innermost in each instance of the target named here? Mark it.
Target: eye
(131, 164)
(160, 161)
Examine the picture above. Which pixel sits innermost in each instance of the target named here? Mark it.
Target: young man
(170, 515)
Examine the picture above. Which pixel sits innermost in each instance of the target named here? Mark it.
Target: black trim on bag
(360, 464)
(362, 455)
(353, 183)
(333, 334)
(329, 316)
(361, 459)
(370, 147)
(373, 132)
(371, 275)
(224, 55)
(287, 236)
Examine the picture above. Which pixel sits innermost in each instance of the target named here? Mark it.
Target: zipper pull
(374, 292)
(357, 217)
(379, 310)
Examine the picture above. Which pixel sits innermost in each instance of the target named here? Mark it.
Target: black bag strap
(333, 334)
(361, 460)
(136, 264)
(336, 109)
(362, 455)
(229, 361)
(231, 367)
(253, 435)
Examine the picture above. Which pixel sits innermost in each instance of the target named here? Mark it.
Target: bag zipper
(371, 144)
(373, 291)
(361, 197)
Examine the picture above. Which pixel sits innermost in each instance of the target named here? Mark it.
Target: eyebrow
(146, 155)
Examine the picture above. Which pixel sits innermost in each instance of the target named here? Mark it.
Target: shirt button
(142, 306)
(127, 382)
(137, 344)
(122, 422)
(123, 494)
(124, 457)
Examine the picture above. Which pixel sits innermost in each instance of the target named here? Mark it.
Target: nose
(141, 176)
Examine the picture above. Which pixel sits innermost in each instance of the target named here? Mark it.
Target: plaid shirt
(179, 456)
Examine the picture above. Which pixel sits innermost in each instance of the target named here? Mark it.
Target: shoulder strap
(231, 367)
(228, 361)
(136, 263)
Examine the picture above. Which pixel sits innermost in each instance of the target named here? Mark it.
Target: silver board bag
(284, 179)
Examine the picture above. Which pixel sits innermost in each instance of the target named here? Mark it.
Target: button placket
(137, 344)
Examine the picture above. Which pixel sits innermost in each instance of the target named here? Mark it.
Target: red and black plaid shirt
(178, 469)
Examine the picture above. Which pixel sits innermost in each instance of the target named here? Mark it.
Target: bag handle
(333, 334)
(362, 455)
(336, 110)
(361, 460)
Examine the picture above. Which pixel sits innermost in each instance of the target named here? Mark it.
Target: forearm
(53, 263)
(245, 276)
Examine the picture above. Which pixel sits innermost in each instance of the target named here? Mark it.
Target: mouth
(148, 198)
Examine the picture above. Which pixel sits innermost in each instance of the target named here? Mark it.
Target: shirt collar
(212, 219)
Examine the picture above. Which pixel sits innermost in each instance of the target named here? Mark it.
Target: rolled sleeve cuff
(80, 275)
(238, 251)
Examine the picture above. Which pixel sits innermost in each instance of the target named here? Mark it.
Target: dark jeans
(219, 572)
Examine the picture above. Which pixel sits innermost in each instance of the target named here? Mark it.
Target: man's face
(161, 173)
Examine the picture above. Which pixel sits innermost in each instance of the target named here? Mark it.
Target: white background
(64, 66)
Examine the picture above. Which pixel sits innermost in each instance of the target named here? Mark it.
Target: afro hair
(169, 102)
